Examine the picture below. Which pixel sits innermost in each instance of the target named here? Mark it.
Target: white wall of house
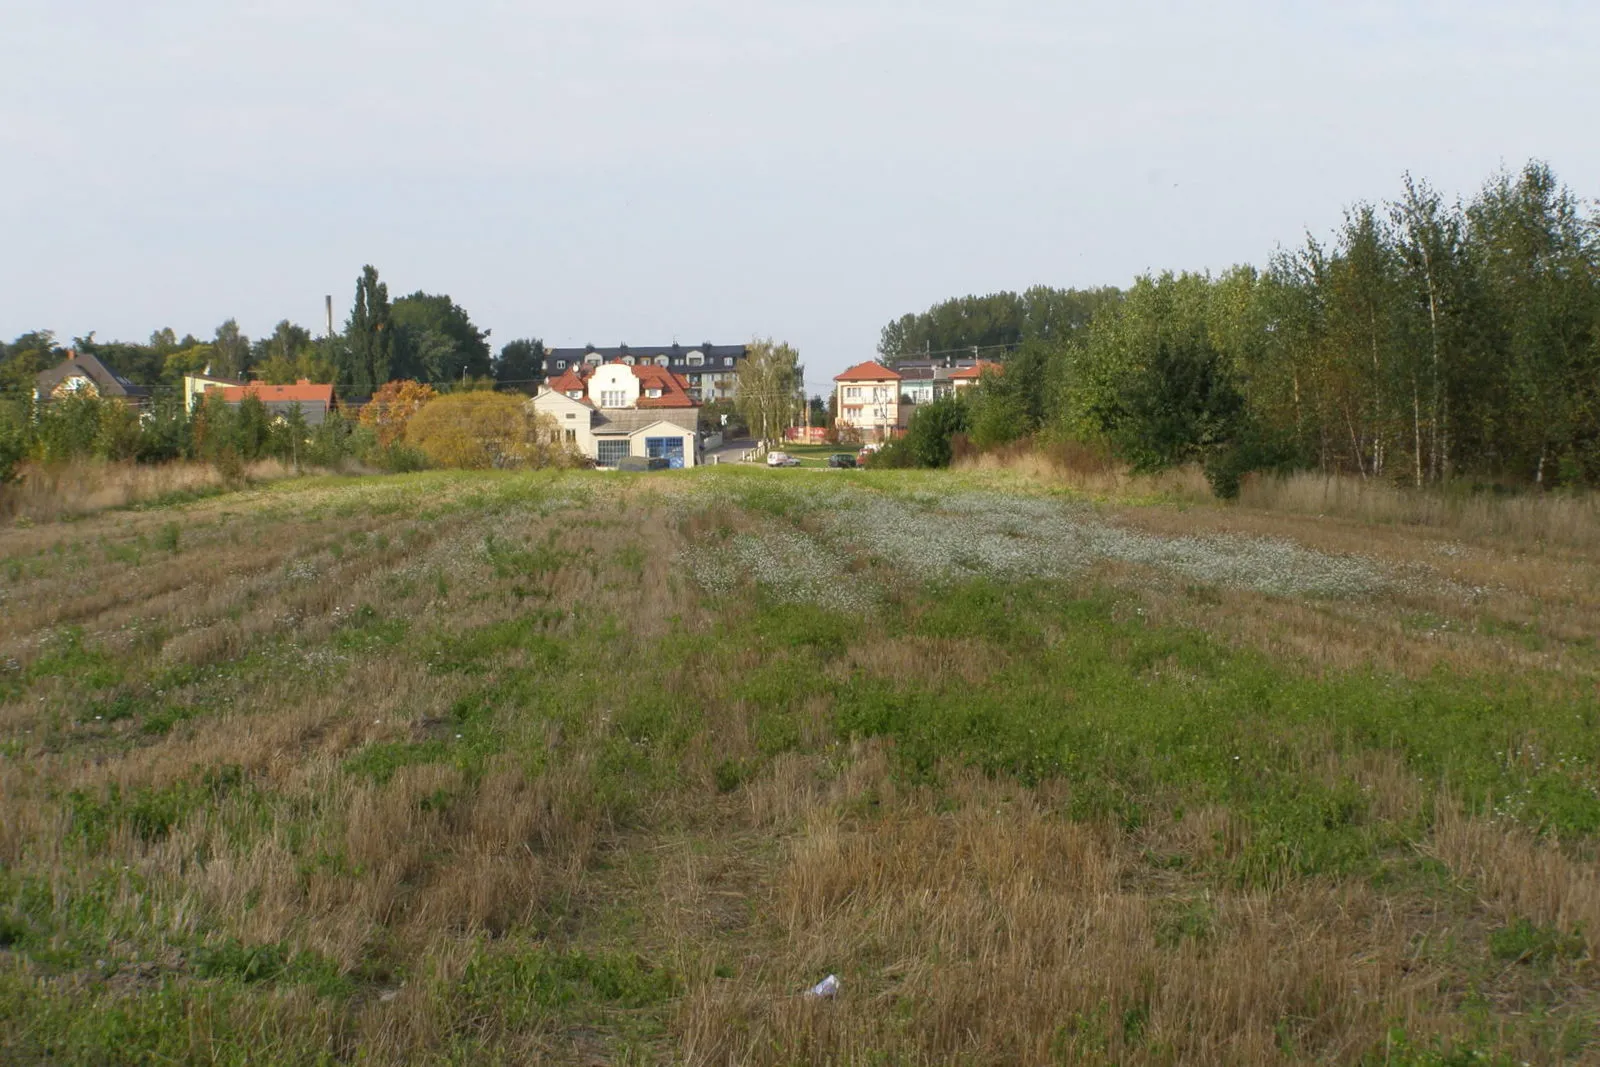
(639, 439)
(614, 386)
(872, 408)
(198, 385)
(574, 417)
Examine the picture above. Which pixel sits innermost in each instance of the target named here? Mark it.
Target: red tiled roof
(302, 392)
(566, 382)
(983, 367)
(673, 393)
(674, 389)
(869, 371)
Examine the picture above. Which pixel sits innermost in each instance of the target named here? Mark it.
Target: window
(663, 361)
(627, 360)
(572, 435)
(571, 415)
(606, 453)
(727, 361)
(576, 394)
(613, 398)
(853, 393)
(653, 394)
(667, 448)
(561, 364)
(696, 359)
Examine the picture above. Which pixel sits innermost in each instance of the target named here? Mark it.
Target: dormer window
(561, 364)
(696, 359)
(653, 394)
(663, 361)
(727, 361)
(576, 394)
(628, 360)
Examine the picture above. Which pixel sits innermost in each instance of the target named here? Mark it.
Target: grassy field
(597, 768)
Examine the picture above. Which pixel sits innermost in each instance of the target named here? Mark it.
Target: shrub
(933, 426)
(483, 430)
(392, 407)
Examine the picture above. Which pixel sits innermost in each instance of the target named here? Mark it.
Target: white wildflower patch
(1008, 536)
(787, 564)
(1017, 537)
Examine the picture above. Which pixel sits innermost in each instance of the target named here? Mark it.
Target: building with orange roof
(967, 377)
(867, 401)
(198, 385)
(619, 409)
(314, 401)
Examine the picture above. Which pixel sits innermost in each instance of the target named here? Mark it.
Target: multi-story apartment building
(711, 371)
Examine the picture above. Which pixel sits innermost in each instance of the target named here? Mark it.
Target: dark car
(841, 459)
(643, 463)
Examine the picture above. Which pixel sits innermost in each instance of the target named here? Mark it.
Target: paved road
(730, 452)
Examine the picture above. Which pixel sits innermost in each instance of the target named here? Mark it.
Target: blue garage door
(669, 447)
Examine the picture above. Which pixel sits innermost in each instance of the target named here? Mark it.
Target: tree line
(408, 426)
(1426, 342)
(423, 336)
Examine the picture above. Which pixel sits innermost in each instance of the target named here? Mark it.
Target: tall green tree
(771, 393)
(230, 351)
(23, 359)
(286, 343)
(435, 341)
(366, 356)
(520, 364)
(1538, 258)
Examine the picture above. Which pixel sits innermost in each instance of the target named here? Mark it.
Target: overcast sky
(642, 170)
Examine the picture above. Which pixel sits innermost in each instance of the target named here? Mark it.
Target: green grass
(668, 760)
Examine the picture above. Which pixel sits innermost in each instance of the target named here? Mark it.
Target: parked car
(782, 459)
(643, 463)
(841, 459)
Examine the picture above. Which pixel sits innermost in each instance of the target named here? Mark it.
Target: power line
(963, 350)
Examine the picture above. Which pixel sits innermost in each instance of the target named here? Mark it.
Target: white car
(782, 459)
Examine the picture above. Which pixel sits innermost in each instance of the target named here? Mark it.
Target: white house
(616, 409)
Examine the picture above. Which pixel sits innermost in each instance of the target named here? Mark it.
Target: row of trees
(1428, 341)
(996, 323)
(408, 426)
(84, 426)
(423, 336)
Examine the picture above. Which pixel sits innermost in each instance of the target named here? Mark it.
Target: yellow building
(867, 401)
